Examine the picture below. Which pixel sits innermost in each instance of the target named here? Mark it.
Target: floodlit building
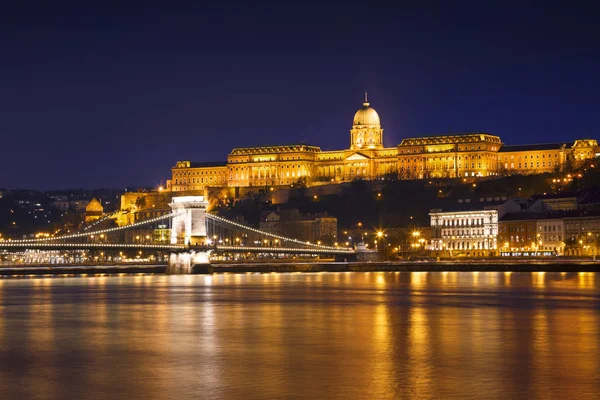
(442, 156)
(550, 235)
(469, 227)
(93, 211)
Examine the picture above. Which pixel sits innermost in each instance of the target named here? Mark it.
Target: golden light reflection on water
(538, 278)
(418, 279)
(339, 336)
(586, 280)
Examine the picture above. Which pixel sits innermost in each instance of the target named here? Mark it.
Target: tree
(300, 186)
(391, 174)
(569, 164)
(140, 202)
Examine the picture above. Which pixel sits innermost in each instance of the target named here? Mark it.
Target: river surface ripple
(419, 335)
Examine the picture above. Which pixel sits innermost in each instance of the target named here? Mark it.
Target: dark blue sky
(109, 97)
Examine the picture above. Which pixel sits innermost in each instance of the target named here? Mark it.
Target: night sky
(113, 97)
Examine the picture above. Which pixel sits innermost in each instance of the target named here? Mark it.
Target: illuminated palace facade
(444, 156)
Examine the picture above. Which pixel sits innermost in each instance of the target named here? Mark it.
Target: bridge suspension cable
(100, 231)
(85, 228)
(222, 220)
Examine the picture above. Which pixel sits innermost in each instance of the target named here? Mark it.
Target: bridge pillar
(189, 224)
(193, 262)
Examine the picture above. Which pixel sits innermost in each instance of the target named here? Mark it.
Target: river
(349, 335)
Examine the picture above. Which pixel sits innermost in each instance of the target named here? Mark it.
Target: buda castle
(468, 155)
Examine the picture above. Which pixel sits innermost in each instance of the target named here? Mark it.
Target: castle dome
(366, 115)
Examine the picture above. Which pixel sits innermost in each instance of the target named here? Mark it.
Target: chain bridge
(192, 237)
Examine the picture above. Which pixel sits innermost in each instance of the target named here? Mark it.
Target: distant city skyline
(114, 97)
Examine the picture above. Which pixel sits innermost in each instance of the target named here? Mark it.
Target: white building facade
(469, 227)
(463, 231)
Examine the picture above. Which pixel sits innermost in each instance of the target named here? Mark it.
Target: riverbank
(408, 266)
(265, 267)
(38, 270)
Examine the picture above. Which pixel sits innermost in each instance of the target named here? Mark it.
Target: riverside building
(468, 155)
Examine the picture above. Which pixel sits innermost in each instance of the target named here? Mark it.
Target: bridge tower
(189, 228)
(189, 223)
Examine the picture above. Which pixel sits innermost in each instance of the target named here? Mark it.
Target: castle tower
(366, 132)
(93, 211)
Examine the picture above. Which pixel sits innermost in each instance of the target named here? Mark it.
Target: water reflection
(339, 336)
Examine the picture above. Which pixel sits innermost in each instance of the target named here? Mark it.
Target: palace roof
(208, 164)
(533, 147)
(290, 148)
(451, 139)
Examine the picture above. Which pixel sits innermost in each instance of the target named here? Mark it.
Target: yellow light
(416, 233)
(379, 234)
